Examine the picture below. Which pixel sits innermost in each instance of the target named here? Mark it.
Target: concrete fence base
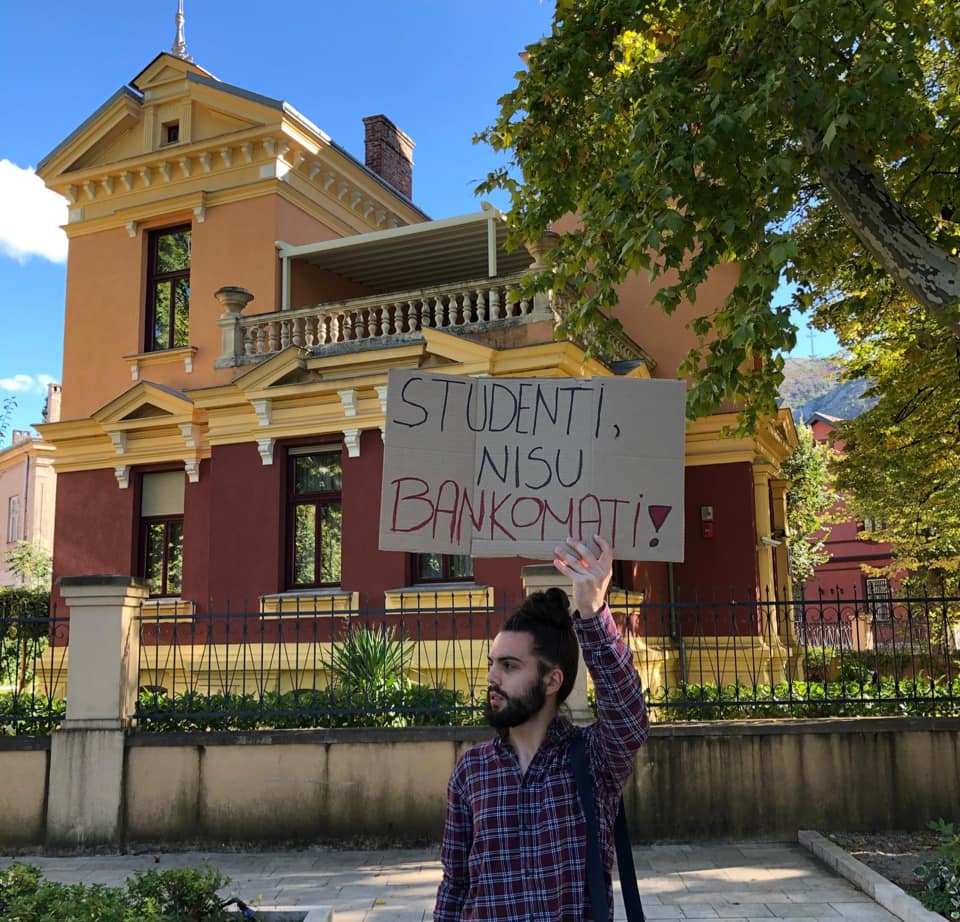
(756, 780)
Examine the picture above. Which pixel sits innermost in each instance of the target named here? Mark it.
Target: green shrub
(152, 896)
(24, 631)
(941, 876)
(23, 714)
(369, 688)
(370, 660)
(817, 662)
(398, 705)
(180, 894)
(842, 698)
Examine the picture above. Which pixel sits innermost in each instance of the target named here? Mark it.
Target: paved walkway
(743, 882)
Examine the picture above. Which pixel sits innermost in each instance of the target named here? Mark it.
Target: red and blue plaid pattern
(513, 845)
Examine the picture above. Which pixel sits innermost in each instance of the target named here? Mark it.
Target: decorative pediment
(165, 68)
(146, 401)
(151, 423)
(131, 126)
(274, 370)
(177, 131)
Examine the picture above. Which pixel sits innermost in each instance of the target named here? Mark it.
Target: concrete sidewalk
(743, 881)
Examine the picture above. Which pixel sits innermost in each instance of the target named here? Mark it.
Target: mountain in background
(813, 386)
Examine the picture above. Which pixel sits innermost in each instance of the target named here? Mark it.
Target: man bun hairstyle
(546, 616)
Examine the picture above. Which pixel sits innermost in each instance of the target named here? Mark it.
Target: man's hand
(590, 573)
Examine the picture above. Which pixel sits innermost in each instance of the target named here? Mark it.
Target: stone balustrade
(367, 320)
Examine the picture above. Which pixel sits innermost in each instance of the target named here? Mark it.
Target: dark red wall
(93, 532)
(234, 534)
(367, 569)
(196, 537)
(245, 542)
(727, 563)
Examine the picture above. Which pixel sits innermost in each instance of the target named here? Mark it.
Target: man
(514, 841)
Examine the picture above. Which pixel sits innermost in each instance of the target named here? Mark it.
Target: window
(171, 132)
(878, 597)
(870, 525)
(316, 518)
(13, 519)
(168, 289)
(161, 532)
(445, 568)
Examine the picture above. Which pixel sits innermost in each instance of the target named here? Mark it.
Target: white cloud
(26, 384)
(31, 216)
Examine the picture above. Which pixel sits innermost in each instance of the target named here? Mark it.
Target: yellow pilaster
(762, 474)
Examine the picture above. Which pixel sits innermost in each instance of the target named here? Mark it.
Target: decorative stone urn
(539, 249)
(234, 299)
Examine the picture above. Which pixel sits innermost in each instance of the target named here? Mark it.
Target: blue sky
(436, 67)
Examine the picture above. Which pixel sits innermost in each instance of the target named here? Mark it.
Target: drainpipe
(26, 495)
(676, 630)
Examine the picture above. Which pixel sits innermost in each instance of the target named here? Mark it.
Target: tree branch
(923, 269)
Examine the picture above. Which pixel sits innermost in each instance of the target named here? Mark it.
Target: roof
(420, 255)
(196, 74)
(824, 418)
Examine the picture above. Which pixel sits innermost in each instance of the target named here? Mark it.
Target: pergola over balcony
(415, 256)
(384, 287)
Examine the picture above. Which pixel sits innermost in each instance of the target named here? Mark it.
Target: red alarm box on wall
(707, 525)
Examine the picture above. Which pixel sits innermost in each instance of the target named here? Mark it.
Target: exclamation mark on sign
(658, 515)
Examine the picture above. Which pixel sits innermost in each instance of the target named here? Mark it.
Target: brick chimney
(389, 153)
(51, 412)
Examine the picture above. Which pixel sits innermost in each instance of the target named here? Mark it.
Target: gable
(207, 122)
(145, 401)
(164, 69)
(124, 140)
(146, 411)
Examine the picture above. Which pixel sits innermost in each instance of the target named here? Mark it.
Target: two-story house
(238, 286)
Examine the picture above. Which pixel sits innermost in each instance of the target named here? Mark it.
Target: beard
(515, 710)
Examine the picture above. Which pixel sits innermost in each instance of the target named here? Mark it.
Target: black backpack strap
(596, 882)
(628, 873)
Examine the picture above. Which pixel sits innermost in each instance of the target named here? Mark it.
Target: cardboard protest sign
(500, 467)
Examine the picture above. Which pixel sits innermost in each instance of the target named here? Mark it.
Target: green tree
(901, 463)
(31, 564)
(808, 500)
(813, 141)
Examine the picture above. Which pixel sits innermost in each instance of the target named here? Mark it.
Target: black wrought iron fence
(33, 654)
(425, 663)
(824, 657)
(329, 666)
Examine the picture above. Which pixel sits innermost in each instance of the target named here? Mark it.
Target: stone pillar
(539, 578)
(87, 753)
(861, 633)
(233, 299)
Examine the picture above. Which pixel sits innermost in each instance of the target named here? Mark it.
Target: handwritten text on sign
(510, 466)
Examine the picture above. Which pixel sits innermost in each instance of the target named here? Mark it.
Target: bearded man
(514, 841)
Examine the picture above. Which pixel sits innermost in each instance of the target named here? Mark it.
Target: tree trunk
(924, 270)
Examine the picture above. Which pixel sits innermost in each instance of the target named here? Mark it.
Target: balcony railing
(393, 317)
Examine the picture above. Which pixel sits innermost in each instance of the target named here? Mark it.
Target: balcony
(455, 274)
(383, 319)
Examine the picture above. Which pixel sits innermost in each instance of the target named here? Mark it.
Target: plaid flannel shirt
(514, 846)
